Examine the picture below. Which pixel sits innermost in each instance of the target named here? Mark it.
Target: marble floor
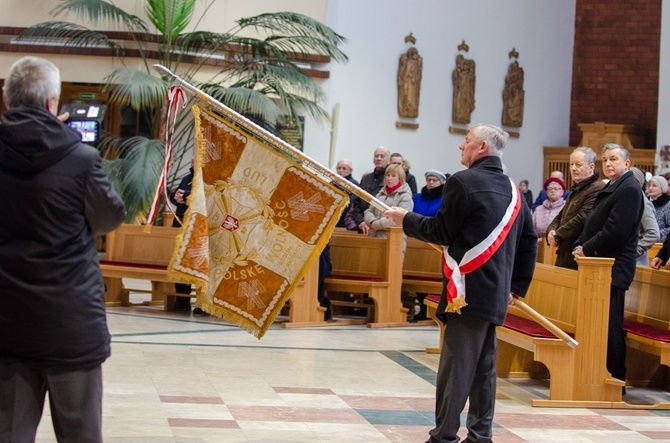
(178, 377)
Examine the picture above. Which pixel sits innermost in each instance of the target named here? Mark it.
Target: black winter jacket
(613, 226)
(473, 203)
(56, 197)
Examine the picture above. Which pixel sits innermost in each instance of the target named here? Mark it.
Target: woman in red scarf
(396, 192)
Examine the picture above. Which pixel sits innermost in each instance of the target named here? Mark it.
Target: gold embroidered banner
(255, 219)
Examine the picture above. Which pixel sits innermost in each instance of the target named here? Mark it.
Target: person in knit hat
(657, 191)
(549, 209)
(429, 200)
(427, 203)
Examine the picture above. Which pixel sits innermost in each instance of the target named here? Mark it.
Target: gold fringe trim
(457, 304)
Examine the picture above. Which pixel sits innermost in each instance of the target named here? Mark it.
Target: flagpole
(272, 140)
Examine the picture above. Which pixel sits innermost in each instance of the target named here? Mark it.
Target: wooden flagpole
(271, 140)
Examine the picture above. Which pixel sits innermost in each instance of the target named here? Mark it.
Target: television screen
(87, 128)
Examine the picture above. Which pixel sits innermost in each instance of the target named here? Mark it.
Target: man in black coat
(490, 249)
(372, 182)
(344, 168)
(53, 325)
(611, 230)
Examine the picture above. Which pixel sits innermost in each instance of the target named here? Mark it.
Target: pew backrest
(130, 244)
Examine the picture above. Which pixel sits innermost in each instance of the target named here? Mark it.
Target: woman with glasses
(549, 209)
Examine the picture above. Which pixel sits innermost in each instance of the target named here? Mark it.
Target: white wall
(542, 31)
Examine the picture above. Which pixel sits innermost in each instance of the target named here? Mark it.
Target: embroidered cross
(301, 207)
(251, 290)
(595, 282)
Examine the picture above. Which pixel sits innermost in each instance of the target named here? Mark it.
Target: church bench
(647, 325)
(133, 254)
(654, 250)
(304, 308)
(370, 266)
(578, 303)
(422, 268)
(545, 253)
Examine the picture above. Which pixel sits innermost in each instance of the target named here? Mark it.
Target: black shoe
(198, 311)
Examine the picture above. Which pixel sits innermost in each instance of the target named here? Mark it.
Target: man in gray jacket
(56, 198)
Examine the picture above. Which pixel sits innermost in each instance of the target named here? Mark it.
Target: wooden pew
(647, 325)
(422, 268)
(132, 253)
(545, 253)
(654, 250)
(578, 303)
(304, 308)
(369, 266)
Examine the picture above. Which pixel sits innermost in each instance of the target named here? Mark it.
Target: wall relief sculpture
(463, 79)
(513, 94)
(409, 81)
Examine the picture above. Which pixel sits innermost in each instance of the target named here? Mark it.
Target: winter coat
(56, 199)
(569, 223)
(371, 182)
(401, 197)
(662, 206)
(545, 214)
(473, 203)
(612, 229)
(429, 201)
(649, 232)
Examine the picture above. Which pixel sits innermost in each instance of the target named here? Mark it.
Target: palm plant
(258, 77)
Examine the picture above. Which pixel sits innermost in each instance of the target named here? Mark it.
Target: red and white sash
(478, 255)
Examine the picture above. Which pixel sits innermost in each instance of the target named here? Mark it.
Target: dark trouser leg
(483, 391)
(616, 337)
(75, 398)
(420, 297)
(22, 392)
(465, 348)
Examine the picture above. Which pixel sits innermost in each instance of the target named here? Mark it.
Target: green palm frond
(137, 88)
(170, 17)
(66, 33)
(246, 101)
(135, 174)
(97, 11)
(292, 25)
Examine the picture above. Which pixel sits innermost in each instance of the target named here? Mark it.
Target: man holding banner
(489, 254)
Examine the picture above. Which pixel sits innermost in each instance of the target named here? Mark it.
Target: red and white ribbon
(176, 99)
(481, 253)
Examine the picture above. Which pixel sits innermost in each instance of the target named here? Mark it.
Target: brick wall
(616, 64)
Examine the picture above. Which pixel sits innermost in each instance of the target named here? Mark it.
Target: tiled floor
(175, 377)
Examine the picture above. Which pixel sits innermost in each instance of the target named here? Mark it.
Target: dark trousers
(467, 371)
(75, 400)
(616, 336)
